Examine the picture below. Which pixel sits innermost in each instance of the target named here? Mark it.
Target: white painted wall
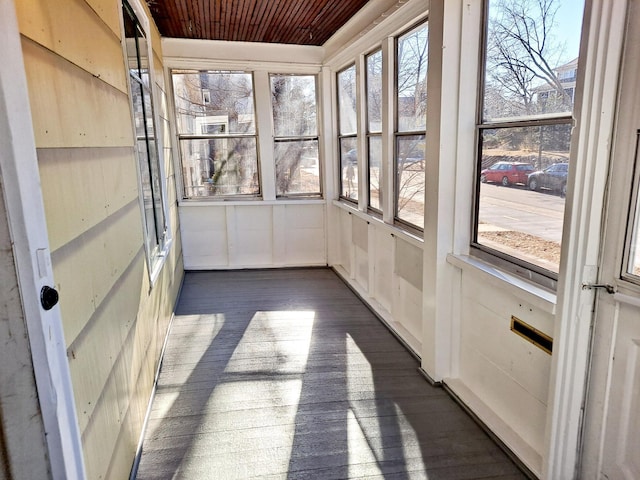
(252, 234)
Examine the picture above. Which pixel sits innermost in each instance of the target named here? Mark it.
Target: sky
(569, 19)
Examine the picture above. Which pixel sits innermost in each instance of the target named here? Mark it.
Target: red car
(507, 173)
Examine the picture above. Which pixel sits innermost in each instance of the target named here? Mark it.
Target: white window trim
(155, 260)
(260, 69)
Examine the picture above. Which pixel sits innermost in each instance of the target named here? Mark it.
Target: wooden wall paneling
(407, 310)
(204, 236)
(88, 268)
(360, 239)
(361, 273)
(509, 374)
(72, 108)
(94, 354)
(253, 235)
(408, 262)
(79, 35)
(345, 241)
(305, 234)
(383, 267)
(280, 235)
(82, 186)
(490, 310)
(108, 11)
(360, 234)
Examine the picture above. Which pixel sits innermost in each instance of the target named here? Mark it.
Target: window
(530, 53)
(217, 137)
(632, 250)
(374, 126)
(145, 133)
(293, 100)
(347, 133)
(410, 137)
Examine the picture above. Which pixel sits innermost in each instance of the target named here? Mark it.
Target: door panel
(613, 404)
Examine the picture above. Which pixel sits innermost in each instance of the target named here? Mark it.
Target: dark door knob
(48, 297)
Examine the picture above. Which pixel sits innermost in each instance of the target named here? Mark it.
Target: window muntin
(218, 138)
(347, 136)
(144, 125)
(529, 70)
(410, 137)
(374, 126)
(295, 123)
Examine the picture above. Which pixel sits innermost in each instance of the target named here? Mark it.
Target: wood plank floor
(285, 374)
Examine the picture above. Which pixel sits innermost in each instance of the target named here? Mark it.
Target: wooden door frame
(598, 78)
(607, 309)
(26, 216)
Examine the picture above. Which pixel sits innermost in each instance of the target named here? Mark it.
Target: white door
(612, 434)
(25, 212)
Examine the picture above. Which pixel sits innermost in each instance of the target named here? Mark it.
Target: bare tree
(523, 55)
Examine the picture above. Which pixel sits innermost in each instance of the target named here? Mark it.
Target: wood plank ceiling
(301, 22)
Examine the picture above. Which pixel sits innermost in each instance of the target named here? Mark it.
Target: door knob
(48, 297)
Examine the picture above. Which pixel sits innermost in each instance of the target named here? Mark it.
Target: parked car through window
(553, 177)
(507, 173)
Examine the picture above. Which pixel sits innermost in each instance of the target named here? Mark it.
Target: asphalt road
(518, 208)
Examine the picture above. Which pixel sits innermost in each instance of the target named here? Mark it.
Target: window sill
(250, 202)
(158, 263)
(393, 230)
(526, 291)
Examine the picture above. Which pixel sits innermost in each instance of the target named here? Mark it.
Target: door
(28, 236)
(612, 428)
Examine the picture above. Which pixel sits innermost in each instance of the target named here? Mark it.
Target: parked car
(507, 173)
(553, 177)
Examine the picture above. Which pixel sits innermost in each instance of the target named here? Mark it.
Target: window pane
(412, 80)
(229, 109)
(375, 163)
(374, 92)
(531, 57)
(347, 100)
(521, 204)
(297, 167)
(410, 179)
(220, 166)
(294, 105)
(349, 168)
(143, 153)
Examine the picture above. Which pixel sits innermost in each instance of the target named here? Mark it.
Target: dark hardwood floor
(285, 374)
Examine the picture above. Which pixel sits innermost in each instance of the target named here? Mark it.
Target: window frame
(340, 136)
(397, 134)
(519, 266)
(288, 138)
(156, 243)
(370, 134)
(180, 137)
(633, 222)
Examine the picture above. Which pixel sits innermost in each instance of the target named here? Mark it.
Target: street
(517, 208)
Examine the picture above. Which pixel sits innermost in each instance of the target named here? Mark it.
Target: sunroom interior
(467, 167)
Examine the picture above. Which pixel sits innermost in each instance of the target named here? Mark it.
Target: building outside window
(150, 171)
(374, 127)
(410, 136)
(347, 133)
(217, 133)
(295, 124)
(524, 131)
